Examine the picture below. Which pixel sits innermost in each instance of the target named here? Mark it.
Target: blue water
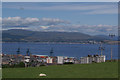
(71, 50)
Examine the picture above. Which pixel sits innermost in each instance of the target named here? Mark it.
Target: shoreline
(62, 43)
(47, 42)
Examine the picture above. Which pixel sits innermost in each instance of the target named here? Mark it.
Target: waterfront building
(49, 60)
(38, 60)
(92, 58)
(60, 59)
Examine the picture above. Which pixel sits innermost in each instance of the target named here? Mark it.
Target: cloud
(90, 8)
(103, 11)
(61, 1)
(87, 29)
(27, 22)
(54, 24)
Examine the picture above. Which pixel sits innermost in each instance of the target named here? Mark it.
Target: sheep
(42, 74)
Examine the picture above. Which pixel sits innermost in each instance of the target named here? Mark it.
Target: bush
(68, 63)
(21, 64)
(114, 60)
(5, 66)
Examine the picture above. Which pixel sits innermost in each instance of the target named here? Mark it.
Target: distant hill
(19, 35)
(107, 37)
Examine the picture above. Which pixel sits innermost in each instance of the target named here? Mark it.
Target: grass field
(95, 70)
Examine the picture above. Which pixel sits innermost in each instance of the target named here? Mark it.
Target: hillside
(19, 35)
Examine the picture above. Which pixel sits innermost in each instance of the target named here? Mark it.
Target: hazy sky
(93, 18)
(60, 0)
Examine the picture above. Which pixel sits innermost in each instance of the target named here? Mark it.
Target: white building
(103, 58)
(92, 58)
(84, 60)
(100, 58)
(60, 59)
(71, 59)
(49, 60)
(27, 59)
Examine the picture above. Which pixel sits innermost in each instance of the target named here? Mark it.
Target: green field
(95, 70)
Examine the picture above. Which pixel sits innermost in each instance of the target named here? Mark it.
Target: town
(30, 60)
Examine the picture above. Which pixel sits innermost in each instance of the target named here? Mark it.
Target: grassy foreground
(96, 70)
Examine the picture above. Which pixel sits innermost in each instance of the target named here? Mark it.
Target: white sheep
(42, 74)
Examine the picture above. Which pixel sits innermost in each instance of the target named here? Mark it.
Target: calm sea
(71, 50)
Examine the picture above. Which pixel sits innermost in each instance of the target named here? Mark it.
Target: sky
(94, 18)
(60, 0)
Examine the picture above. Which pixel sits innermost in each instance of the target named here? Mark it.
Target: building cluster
(92, 58)
(38, 60)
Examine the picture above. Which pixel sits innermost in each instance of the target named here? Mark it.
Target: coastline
(110, 43)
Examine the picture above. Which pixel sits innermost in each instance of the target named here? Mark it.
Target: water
(71, 50)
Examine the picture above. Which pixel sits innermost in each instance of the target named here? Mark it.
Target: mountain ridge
(20, 35)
